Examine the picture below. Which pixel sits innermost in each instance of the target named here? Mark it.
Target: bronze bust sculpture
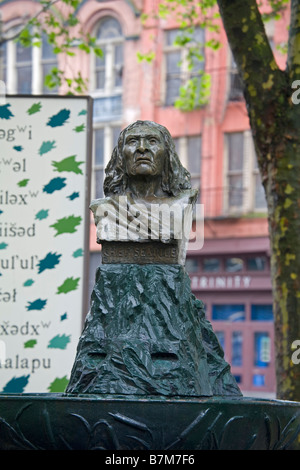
(146, 188)
(146, 333)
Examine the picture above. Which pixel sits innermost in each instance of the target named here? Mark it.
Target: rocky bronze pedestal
(146, 335)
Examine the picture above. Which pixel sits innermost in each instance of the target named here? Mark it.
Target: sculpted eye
(131, 141)
(153, 141)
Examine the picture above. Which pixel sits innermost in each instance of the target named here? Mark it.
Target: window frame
(182, 151)
(235, 85)
(248, 184)
(109, 65)
(108, 146)
(184, 72)
(37, 77)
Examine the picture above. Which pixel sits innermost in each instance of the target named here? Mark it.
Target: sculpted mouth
(143, 160)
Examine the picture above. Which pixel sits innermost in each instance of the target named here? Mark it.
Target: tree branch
(5, 36)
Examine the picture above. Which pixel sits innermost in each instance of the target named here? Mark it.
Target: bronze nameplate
(139, 253)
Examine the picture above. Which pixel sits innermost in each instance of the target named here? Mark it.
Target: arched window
(108, 68)
(3, 63)
(24, 68)
(106, 89)
(48, 62)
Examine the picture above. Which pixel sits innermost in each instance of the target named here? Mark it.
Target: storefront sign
(215, 282)
(44, 197)
(230, 282)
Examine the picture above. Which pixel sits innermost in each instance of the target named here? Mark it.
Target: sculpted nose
(142, 145)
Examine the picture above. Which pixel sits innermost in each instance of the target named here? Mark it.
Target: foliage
(194, 93)
(190, 14)
(57, 21)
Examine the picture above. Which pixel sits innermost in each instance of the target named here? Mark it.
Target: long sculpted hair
(175, 177)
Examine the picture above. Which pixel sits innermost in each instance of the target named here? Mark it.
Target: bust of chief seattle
(146, 187)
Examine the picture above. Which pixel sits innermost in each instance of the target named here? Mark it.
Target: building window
(237, 348)
(221, 338)
(194, 161)
(234, 265)
(244, 191)
(262, 312)
(258, 189)
(192, 265)
(3, 65)
(228, 312)
(106, 82)
(259, 380)
(108, 69)
(235, 142)
(25, 68)
(105, 139)
(106, 88)
(262, 349)
(177, 63)
(211, 265)
(235, 82)
(189, 151)
(48, 62)
(256, 263)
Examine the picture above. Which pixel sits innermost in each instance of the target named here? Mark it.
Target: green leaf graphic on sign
(73, 196)
(78, 253)
(37, 304)
(23, 183)
(30, 343)
(56, 184)
(66, 225)
(3, 245)
(18, 148)
(28, 283)
(35, 108)
(68, 285)
(82, 112)
(79, 128)
(49, 262)
(68, 164)
(42, 214)
(58, 385)
(59, 119)
(59, 342)
(47, 146)
(5, 113)
(16, 384)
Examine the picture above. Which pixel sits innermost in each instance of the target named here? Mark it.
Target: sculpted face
(144, 152)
